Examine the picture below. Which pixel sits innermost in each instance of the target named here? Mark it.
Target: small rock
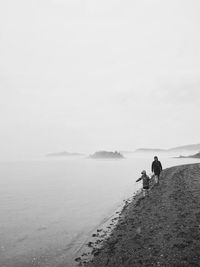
(89, 244)
(138, 230)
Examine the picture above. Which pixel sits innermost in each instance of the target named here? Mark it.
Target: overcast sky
(83, 75)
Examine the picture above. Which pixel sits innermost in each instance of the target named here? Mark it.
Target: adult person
(156, 168)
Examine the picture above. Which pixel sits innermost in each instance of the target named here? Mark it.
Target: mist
(87, 75)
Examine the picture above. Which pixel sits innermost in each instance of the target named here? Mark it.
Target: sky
(87, 75)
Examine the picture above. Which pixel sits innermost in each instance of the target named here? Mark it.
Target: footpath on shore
(162, 229)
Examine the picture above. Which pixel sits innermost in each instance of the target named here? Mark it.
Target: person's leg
(144, 192)
(158, 175)
(147, 192)
(156, 178)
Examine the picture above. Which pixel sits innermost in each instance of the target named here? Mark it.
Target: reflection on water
(48, 208)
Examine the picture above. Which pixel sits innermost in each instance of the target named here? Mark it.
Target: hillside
(192, 147)
(196, 156)
(146, 150)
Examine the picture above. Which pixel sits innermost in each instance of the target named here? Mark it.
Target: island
(63, 154)
(106, 155)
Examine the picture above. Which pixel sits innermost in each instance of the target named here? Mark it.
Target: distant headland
(64, 154)
(146, 150)
(195, 156)
(106, 155)
(192, 147)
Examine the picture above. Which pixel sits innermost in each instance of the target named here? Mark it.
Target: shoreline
(162, 229)
(102, 232)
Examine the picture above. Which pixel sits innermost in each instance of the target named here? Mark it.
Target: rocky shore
(162, 229)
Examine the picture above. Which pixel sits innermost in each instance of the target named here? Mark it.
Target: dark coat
(156, 167)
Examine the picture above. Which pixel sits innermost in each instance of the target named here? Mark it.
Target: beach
(162, 229)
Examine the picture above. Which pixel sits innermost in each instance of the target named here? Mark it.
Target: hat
(143, 172)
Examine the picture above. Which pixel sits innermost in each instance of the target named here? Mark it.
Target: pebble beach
(162, 229)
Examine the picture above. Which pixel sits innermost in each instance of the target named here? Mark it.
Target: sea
(49, 207)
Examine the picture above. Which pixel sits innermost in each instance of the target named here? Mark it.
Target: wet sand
(162, 229)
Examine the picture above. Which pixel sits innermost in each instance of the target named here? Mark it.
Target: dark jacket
(156, 167)
(145, 179)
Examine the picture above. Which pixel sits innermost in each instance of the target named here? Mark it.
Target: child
(145, 179)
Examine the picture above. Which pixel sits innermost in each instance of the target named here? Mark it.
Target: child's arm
(139, 179)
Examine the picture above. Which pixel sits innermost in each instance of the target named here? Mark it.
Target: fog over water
(84, 75)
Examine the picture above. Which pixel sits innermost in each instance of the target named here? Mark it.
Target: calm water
(48, 208)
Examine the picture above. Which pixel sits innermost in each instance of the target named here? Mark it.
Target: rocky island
(106, 155)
